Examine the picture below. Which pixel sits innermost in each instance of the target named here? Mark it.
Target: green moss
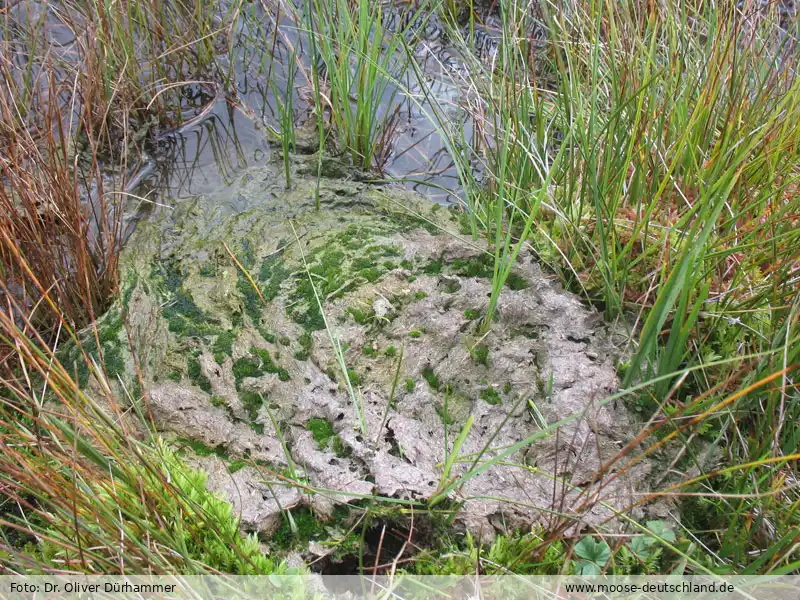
(223, 346)
(111, 348)
(273, 273)
(507, 387)
(196, 375)
(431, 377)
(472, 314)
(415, 333)
(390, 352)
(113, 362)
(515, 282)
(434, 267)
(236, 465)
(330, 279)
(475, 266)
(175, 376)
(480, 354)
(131, 280)
(109, 332)
(369, 351)
(306, 527)
(202, 449)
(362, 317)
(483, 266)
(420, 295)
(451, 287)
(245, 254)
(372, 274)
(184, 318)
(247, 367)
(341, 449)
(344, 261)
(306, 311)
(256, 365)
(207, 270)
(406, 264)
(491, 396)
(71, 358)
(389, 251)
(363, 262)
(218, 402)
(253, 306)
(352, 237)
(355, 378)
(523, 553)
(321, 430)
(306, 342)
(252, 403)
(410, 385)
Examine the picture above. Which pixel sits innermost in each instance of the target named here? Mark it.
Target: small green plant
(430, 376)
(490, 396)
(285, 106)
(361, 60)
(645, 550)
(480, 354)
(321, 430)
(593, 556)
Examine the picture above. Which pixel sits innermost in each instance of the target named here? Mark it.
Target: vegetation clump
(430, 376)
(322, 431)
(223, 345)
(480, 354)
(196, 375)
(490, 395)
(259, 363)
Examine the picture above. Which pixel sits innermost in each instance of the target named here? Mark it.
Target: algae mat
(336, 353)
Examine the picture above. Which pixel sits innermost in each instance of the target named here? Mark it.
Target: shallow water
(226, 134)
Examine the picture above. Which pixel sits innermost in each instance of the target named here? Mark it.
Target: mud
(254, 375)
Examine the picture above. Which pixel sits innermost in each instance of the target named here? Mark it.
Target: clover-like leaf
(593, 551)
(640, 546)
(587, 568)
(659, 529)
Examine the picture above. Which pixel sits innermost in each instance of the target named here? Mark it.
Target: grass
(69, 109)
(286, 117)
(666, 195)
(362, 60)
(81, 492)
(648, 155)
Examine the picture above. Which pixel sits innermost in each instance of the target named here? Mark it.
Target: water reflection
(232, 137)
